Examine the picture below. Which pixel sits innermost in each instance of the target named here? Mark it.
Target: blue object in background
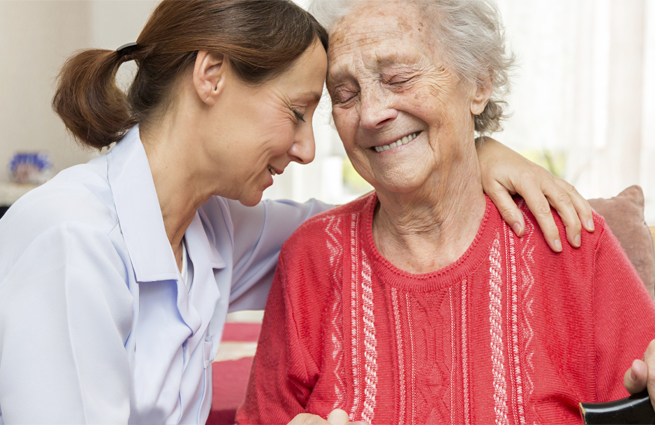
(30, 167)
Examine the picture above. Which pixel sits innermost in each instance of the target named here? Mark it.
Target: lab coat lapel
(138, 211)
(141, 221)
(204, 293)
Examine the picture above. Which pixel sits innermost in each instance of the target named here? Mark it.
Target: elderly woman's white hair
(470, 37)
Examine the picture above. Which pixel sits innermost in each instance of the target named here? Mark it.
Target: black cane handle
(636, 409)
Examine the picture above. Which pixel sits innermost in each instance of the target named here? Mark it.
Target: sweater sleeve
(624, 316)
(280, 378)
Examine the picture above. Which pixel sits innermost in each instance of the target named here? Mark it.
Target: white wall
(35, 39)
(117, 22)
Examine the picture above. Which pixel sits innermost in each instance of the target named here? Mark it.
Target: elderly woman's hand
(641, 374)
(505, 173)
(336, 417)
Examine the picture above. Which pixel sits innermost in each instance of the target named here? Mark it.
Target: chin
(398, 185)
(251, 201)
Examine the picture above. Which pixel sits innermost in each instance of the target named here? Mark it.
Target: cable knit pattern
(466, 404)
(511, 333)
(370, 344)
(400, 347)
(355, 315)
(514, 352)
(527, 280)
(334, 241)
(495, 317)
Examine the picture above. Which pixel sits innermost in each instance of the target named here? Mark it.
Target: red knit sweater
(510, 333)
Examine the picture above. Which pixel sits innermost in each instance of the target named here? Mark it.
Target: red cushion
(230, 377)
(242, 332)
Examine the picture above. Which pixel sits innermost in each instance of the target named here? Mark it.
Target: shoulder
(70, 256)
(315, 251)
(590, 241)
(80, 193)
(329, 224)
(78, 201)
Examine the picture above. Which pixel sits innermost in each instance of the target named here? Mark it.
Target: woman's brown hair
(260, 38)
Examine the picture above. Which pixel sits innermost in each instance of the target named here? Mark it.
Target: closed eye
(298, 115)
(398, 80)
(343, 95)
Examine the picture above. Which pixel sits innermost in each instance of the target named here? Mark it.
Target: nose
(304, 147)
(375, 110)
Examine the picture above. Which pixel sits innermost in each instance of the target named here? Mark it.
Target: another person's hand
(641, 374)
(505, 173)
(336, 417)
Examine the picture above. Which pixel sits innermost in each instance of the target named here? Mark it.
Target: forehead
(306, 76)
(380, 30)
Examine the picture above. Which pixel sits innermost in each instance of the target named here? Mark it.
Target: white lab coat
(96, 325)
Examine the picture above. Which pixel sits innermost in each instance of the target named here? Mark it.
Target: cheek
(276, 133)
(346, 121)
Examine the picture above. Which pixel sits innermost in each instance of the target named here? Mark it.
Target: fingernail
(517, 228)
(576, 240)
(633, 375)
(590, 224)
(558, 245)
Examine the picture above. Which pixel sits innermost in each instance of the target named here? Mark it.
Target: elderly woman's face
(402, 114)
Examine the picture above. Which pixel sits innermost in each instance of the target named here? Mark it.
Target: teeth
(397, 143)
(272, 171)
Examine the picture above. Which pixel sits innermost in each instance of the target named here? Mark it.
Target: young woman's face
(266, 127)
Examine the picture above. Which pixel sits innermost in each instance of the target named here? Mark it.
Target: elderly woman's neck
(426, 231)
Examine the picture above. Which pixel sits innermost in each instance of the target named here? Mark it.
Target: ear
(209, 74)
(483, 91)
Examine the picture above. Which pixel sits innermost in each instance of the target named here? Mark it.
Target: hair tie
(126, 50)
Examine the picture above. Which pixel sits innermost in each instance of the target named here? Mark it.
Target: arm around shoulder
(258, 236)
(65, 313)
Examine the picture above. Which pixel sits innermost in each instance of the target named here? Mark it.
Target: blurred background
(583, 98)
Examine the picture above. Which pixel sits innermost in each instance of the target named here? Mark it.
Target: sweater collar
(473, 257)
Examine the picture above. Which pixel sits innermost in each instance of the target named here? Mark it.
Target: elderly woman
(417, 304)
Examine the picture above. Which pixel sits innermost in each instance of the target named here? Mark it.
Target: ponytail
(87, 99)
(261, 38)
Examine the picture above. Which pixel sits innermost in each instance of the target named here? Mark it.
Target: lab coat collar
(198, 237)
(139, 214)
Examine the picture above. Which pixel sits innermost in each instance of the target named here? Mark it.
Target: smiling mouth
(399, 142)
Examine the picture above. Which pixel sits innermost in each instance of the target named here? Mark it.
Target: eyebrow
(383, 60)
(336, 74)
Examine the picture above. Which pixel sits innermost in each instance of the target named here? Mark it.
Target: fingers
(641, 374)
(507, 208)
(635, 377)
(582, 207)
(561, 201)
(338, 417)
(308, 419)
(531, 191)
(649, 361)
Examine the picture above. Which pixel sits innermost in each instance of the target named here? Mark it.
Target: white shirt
(184, 272)
(96, 325)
